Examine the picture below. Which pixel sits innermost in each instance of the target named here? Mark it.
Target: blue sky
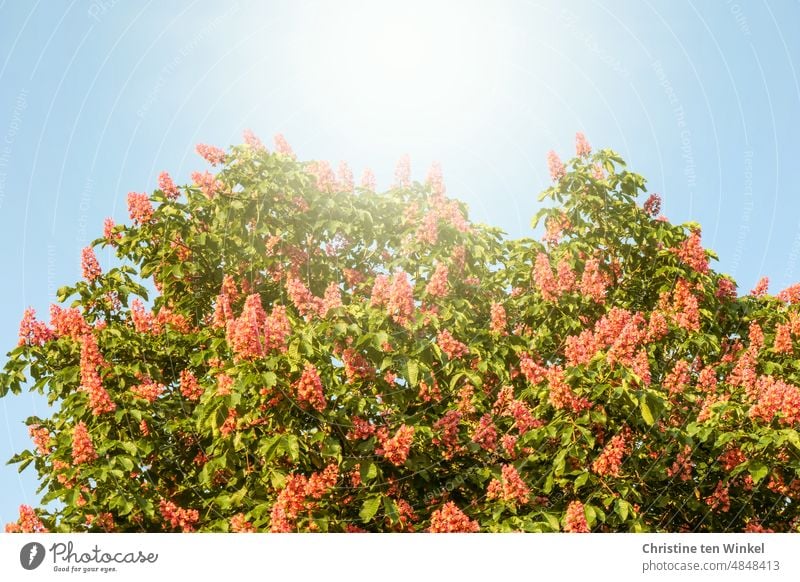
(96, 98)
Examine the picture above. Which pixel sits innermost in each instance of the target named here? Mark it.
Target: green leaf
(580, 480)
(647, 415)
(591, 515)
(368, 471)
(622, 508)
(390, 509)
(413, 372)
(369, 508)
(758, 470)
(293, 446)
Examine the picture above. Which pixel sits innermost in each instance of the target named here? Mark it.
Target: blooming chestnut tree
(274, 348)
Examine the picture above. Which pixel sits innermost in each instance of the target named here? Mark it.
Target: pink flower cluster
(310, 305)
(507, 405)
(437, 286)
(435, 180)
(776, 397)
(580, 349)
(28, 522)
(575, 518)
(252, 140)
(582, 147)
(224, 385)
(732, 458)
(783, 338)
(368, 181)
(309, 388)
(450, 519)
(229, 424)
(109, 231)
(397, 296)
(345, 176)
(594, 283)
(555, 227)
(361, 430)
(609, 463)
(555, 166)
(681, 305)
(31, 331)
(142, 319)
(726, 289)
(652, 206)
(208, 183)
(677, 380)
(190, 387)
(41, 438)
(139, 208)
(68, 322)
(254, 334)
(293, 497)
(498, 320)
(148, 390)
(744, 372)
(178, 517)
(657, 327)
(239, 524)
(289, 504)
(324, 176)
(720, 498)
(450, 345)
(561, 395)
(544, 279)
(282, 146)
(447, 439)
(442, 210)
(212, 154)
(682, 467)
(534, 372)
(761, 287)
(356, 366)
(91, 383)
(89, 265)
(167, 186)
(395, 449)
(82, 445)
(791, 294)
(509, 488)
(485, 433)
(319, 484)
(402, 172)
(692, 253)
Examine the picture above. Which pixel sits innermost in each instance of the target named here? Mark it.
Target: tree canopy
(277, 349)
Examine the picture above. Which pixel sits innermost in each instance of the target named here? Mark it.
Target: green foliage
(603, 420)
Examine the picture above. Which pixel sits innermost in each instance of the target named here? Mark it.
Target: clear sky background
(97, 97)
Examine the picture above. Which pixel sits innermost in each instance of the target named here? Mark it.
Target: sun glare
(406, 62)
